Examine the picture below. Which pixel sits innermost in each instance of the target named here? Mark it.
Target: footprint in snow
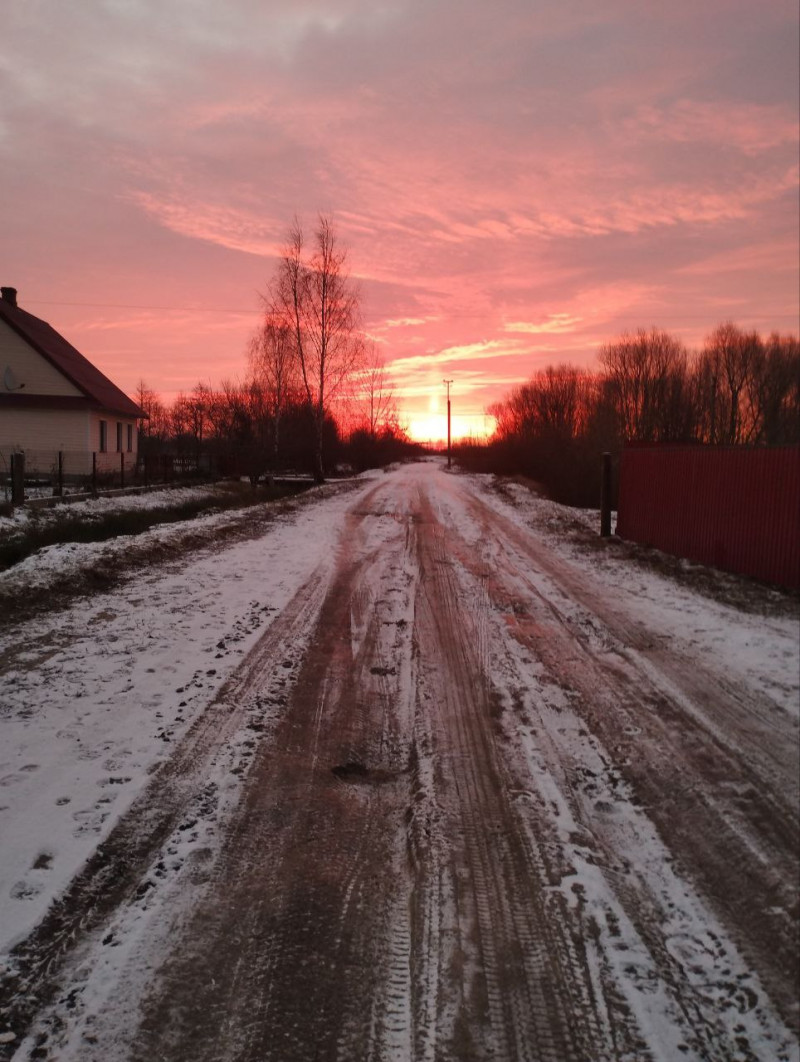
(88, 821)
(25, 890)
(18, 776)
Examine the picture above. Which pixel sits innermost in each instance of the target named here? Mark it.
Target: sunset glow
(516, 183)
(432, 429)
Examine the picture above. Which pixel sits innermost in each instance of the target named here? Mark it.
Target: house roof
(44, 339)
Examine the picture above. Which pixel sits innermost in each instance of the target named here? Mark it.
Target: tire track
(527, 994)
(752, 724)
(314, 854)
(718, 801)
(115, 871)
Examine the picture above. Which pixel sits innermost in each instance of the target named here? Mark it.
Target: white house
(53, 399)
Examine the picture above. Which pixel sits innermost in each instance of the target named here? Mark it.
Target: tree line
(739, 389)
(314, 393)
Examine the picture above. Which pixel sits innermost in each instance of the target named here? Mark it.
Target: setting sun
(432, 428)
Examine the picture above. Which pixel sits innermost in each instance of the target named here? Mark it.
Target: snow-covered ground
(22, 517)
(94, 697)
(760, 644)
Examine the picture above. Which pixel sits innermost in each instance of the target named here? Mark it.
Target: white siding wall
(41, 433)
(38, 375)
(44, 429)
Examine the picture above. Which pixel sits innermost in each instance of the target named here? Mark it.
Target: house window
(119, 437)
(130, 438)
(103, 436)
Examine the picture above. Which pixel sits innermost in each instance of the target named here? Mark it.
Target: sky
(516, 182)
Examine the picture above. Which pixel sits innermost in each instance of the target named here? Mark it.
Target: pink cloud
(513, 183)
(557, 322)
(746, 127)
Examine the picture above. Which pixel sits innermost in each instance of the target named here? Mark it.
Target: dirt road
(487, 814)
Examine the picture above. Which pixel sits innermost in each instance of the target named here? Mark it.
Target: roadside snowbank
(759, 642)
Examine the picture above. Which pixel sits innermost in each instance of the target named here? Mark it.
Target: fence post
(94, 473)
(605, 497)
(17, 479)
(60, 487)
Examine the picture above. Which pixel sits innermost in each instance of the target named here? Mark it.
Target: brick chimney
(9, 295)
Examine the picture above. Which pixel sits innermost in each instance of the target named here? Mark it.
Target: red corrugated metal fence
(734, 508)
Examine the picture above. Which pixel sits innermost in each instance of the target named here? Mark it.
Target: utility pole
(447, 385)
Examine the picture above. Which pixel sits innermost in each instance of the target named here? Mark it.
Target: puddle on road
(356, 773)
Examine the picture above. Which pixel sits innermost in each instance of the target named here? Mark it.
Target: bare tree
(708, 397)
(273, 370)
(314, 299)
(773, 388)
(180, 420)
(188, 419)
(554, 404)
(645, 372)
(559, 402)
(740, 390)
(156, 426)
(727, 360)
(377, 394)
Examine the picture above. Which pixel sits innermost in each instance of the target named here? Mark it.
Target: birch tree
(313, 297)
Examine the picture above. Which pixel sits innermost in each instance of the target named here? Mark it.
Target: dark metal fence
(48, 473)
(62, 473)
(734, 508)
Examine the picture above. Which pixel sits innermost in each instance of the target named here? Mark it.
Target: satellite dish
(10, 381)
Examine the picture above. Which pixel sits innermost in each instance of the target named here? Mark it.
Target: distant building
(53, 399)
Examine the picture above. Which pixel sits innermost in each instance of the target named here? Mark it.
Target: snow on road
(581, 743)
(93, 698)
